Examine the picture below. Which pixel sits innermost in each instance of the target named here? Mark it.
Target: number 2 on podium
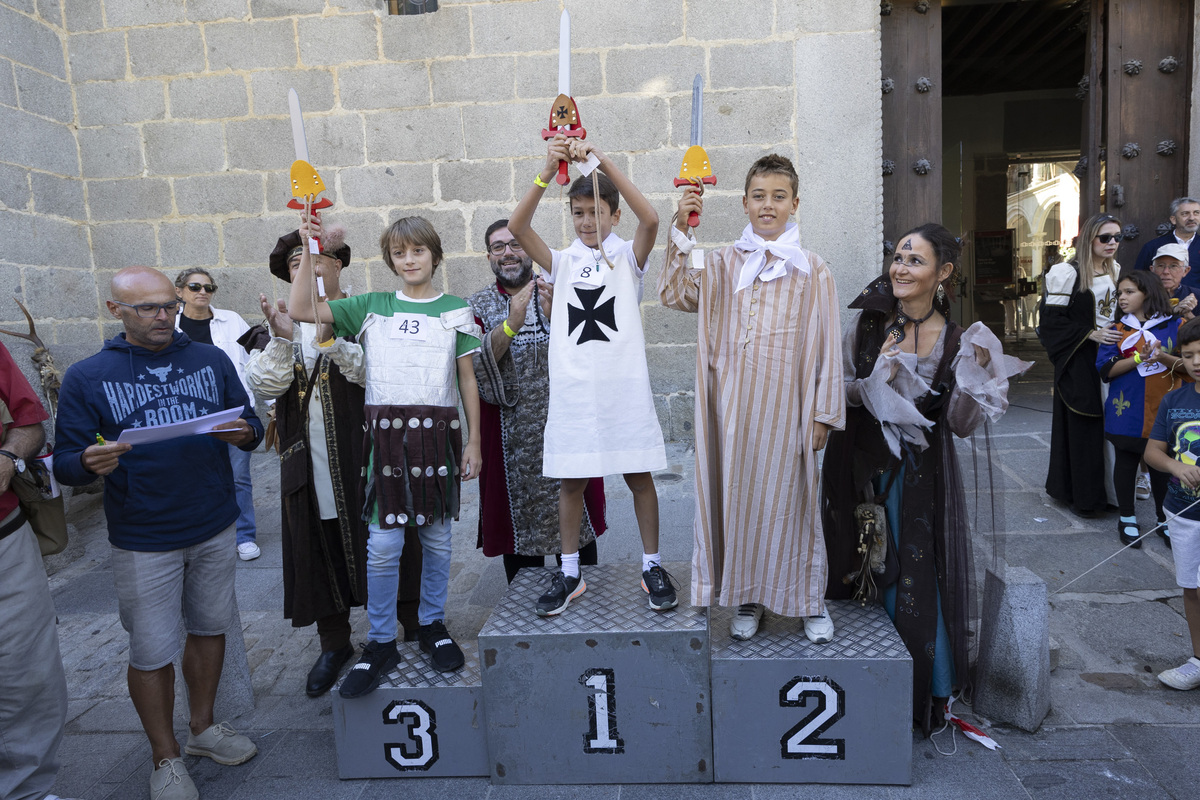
(803, 739)
(602, 713)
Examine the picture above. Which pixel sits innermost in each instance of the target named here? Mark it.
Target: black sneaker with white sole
(444, 654)
(377, 660)
(660, 586)
(562, 591)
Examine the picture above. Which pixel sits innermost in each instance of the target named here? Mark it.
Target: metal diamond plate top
(414, 671)
(613, 603)
(859, 633)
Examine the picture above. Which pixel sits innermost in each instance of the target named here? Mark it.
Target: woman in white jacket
(222, 328)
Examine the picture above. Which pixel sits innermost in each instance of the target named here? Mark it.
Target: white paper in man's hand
(174, 430)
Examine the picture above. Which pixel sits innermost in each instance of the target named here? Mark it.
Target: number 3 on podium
(420, 725)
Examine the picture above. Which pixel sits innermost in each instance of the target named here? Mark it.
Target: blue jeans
(242, 489)
(383, 577)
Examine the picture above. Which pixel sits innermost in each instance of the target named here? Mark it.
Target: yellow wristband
(509, 332)
(327, 343)
(537, 181)
(1137, 357)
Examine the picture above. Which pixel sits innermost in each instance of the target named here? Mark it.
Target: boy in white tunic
(601, 418)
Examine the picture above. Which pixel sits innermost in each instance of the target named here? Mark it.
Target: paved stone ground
(1114, 730)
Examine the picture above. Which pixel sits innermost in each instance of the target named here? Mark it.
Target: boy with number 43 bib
(417, 345)
(601, 417)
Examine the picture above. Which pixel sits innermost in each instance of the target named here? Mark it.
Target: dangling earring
(941, 294)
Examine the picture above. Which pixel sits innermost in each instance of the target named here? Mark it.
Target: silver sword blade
(564, 53)
(698, 111)
(298, 139)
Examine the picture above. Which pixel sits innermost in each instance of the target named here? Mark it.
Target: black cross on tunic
(591, 316)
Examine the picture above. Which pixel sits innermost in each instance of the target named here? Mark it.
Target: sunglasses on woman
(1105, 238)
(211, 288)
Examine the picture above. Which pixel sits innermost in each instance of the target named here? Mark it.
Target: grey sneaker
(1185, 676)
(562, 591)
(170, 781)
(660, 586)
(222, 744)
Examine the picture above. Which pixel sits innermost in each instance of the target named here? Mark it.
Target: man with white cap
(1185, 221)
(1171, 264)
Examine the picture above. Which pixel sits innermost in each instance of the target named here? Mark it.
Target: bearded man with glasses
(518, 507)
(170, 508)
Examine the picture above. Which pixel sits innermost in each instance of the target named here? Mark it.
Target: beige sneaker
(170, 781)
(745, 622)
(222, 744)
(819, 629)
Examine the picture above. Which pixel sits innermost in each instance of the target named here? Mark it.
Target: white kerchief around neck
(580, 250)
(786, 249)
(1141, 330)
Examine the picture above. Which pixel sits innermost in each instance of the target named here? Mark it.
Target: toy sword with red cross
(564, 115)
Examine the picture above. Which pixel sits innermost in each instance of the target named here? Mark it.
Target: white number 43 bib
(411, 327)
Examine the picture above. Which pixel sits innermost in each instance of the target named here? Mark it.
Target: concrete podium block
(786, 710)
(418, 723)
(1013, 673)
(607, 692)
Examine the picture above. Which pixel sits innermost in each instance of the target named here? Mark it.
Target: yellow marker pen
(100, 440)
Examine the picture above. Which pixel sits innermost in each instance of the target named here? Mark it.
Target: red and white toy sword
(696, 168)
(564, 115)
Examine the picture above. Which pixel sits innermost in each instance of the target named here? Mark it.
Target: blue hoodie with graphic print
(166, 495)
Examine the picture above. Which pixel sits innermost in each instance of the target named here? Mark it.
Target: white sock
(650, 560)
(570, 565)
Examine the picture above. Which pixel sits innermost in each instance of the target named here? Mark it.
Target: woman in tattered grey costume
(914, 380)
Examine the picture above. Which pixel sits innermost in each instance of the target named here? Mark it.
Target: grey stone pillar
(1013, 675)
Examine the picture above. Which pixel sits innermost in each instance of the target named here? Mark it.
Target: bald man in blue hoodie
(170, 507)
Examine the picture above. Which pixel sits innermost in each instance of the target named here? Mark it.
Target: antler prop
(47, 371)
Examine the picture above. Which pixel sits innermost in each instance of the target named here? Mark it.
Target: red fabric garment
(24, 407)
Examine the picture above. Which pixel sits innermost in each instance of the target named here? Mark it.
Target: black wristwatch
(18, 462)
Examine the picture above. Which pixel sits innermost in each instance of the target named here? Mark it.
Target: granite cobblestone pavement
(1114, 730)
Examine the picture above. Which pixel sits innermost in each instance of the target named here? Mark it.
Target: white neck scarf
(786, 249)
(1142, 332)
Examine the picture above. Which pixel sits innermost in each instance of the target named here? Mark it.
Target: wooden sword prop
(696, 168)
(564, 115)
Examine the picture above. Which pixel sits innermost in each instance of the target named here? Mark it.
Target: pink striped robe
(768, 365)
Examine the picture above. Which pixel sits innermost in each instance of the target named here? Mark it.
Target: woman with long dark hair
(913, 378)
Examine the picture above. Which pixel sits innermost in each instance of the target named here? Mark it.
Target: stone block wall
(45, 261)
(157, 132)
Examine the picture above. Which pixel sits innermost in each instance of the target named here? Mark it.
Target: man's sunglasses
(211, 288)
(1105, 238)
